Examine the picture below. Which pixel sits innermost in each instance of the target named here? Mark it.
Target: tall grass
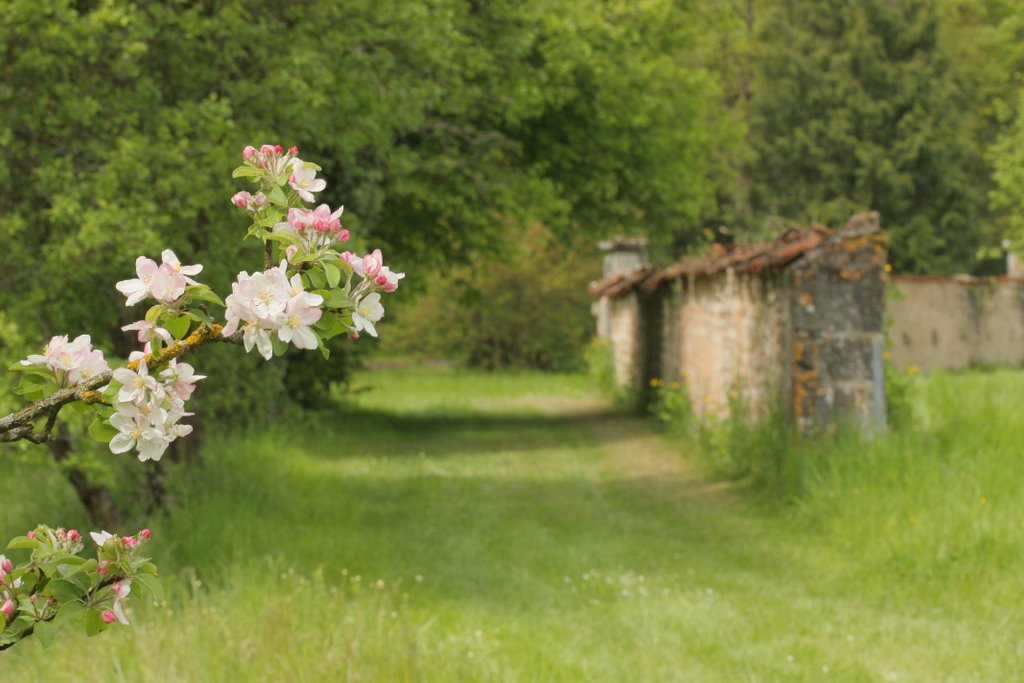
(459, 526)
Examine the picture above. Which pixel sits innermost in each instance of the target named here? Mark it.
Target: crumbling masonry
(795, 326)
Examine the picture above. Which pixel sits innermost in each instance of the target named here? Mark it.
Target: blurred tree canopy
(441, 123)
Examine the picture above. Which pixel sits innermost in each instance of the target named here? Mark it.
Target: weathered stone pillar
(838, 313)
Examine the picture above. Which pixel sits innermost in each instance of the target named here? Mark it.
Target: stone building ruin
(796, 325)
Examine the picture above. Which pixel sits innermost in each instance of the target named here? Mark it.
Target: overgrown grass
(459, 526)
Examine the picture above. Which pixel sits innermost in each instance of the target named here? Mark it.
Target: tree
(855, 107)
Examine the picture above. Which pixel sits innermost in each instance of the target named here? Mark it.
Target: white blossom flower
(137, 432)
(121, 591)
(138, 289)
(300, 313)
(135, 384)
(148, 331)
(179, 379)
(304, 181)
(367, 311)
(101, 537)
(171, 263)
(93, 364)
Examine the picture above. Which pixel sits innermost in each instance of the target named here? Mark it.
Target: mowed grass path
(455, 526)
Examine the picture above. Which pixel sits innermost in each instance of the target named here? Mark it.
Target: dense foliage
(527, 308)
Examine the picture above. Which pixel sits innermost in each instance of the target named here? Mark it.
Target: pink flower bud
(278, 149)
(74, 535)
(290, 251)
(130, 541)
(241, 199)
(31, 534)
(293, 150)
(372, 264)
(33, 597)
(343, 235)
(248, 152)
(260, 200)
(347, 256)
(354, 336)
(145, 534)
(101, 569)
(109, 617)
(6, 565)
(8, 608)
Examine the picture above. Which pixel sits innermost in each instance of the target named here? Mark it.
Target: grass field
(452, 526)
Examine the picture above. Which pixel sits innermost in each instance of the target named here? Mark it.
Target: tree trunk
(96, 498)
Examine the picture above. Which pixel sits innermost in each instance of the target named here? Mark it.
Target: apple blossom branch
(17, 425)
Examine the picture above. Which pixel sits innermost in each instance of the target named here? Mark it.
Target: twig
(16, 426)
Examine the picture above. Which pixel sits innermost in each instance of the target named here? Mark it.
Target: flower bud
(343, 235)
(278, 149)
(101, 569)
(109, 617)
(248, 152)
(145, 534)
(31, 534)
(6, 566)
(130, 541)
(8, 608)
(267, 149)
(293, 150)
(381, 280)
(74, 535)
(290, 251)
(33, 597)
(241, 199)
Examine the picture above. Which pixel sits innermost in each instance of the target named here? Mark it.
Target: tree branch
(51, 616)
(17, 425)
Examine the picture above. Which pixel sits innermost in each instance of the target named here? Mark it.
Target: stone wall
(955, 323)
(794, 327)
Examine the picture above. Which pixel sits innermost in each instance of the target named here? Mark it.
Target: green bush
(527, 308)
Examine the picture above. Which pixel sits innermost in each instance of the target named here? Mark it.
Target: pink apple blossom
(108, 617)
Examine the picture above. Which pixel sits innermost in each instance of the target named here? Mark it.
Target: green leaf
(64, 591)
(148, 568)
(153, 313)
(277, 196)
(200, 317)
(245, 172)
(333, 273)
(178, 326)
(279, 346)
(45, 632)
(151, 584)
(317, 278)
(69, 610)
(101, 430)
(203, 293)
(94, 623)
(337, 299)
(23, 542)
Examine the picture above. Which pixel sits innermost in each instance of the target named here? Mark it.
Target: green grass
(450, 526)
